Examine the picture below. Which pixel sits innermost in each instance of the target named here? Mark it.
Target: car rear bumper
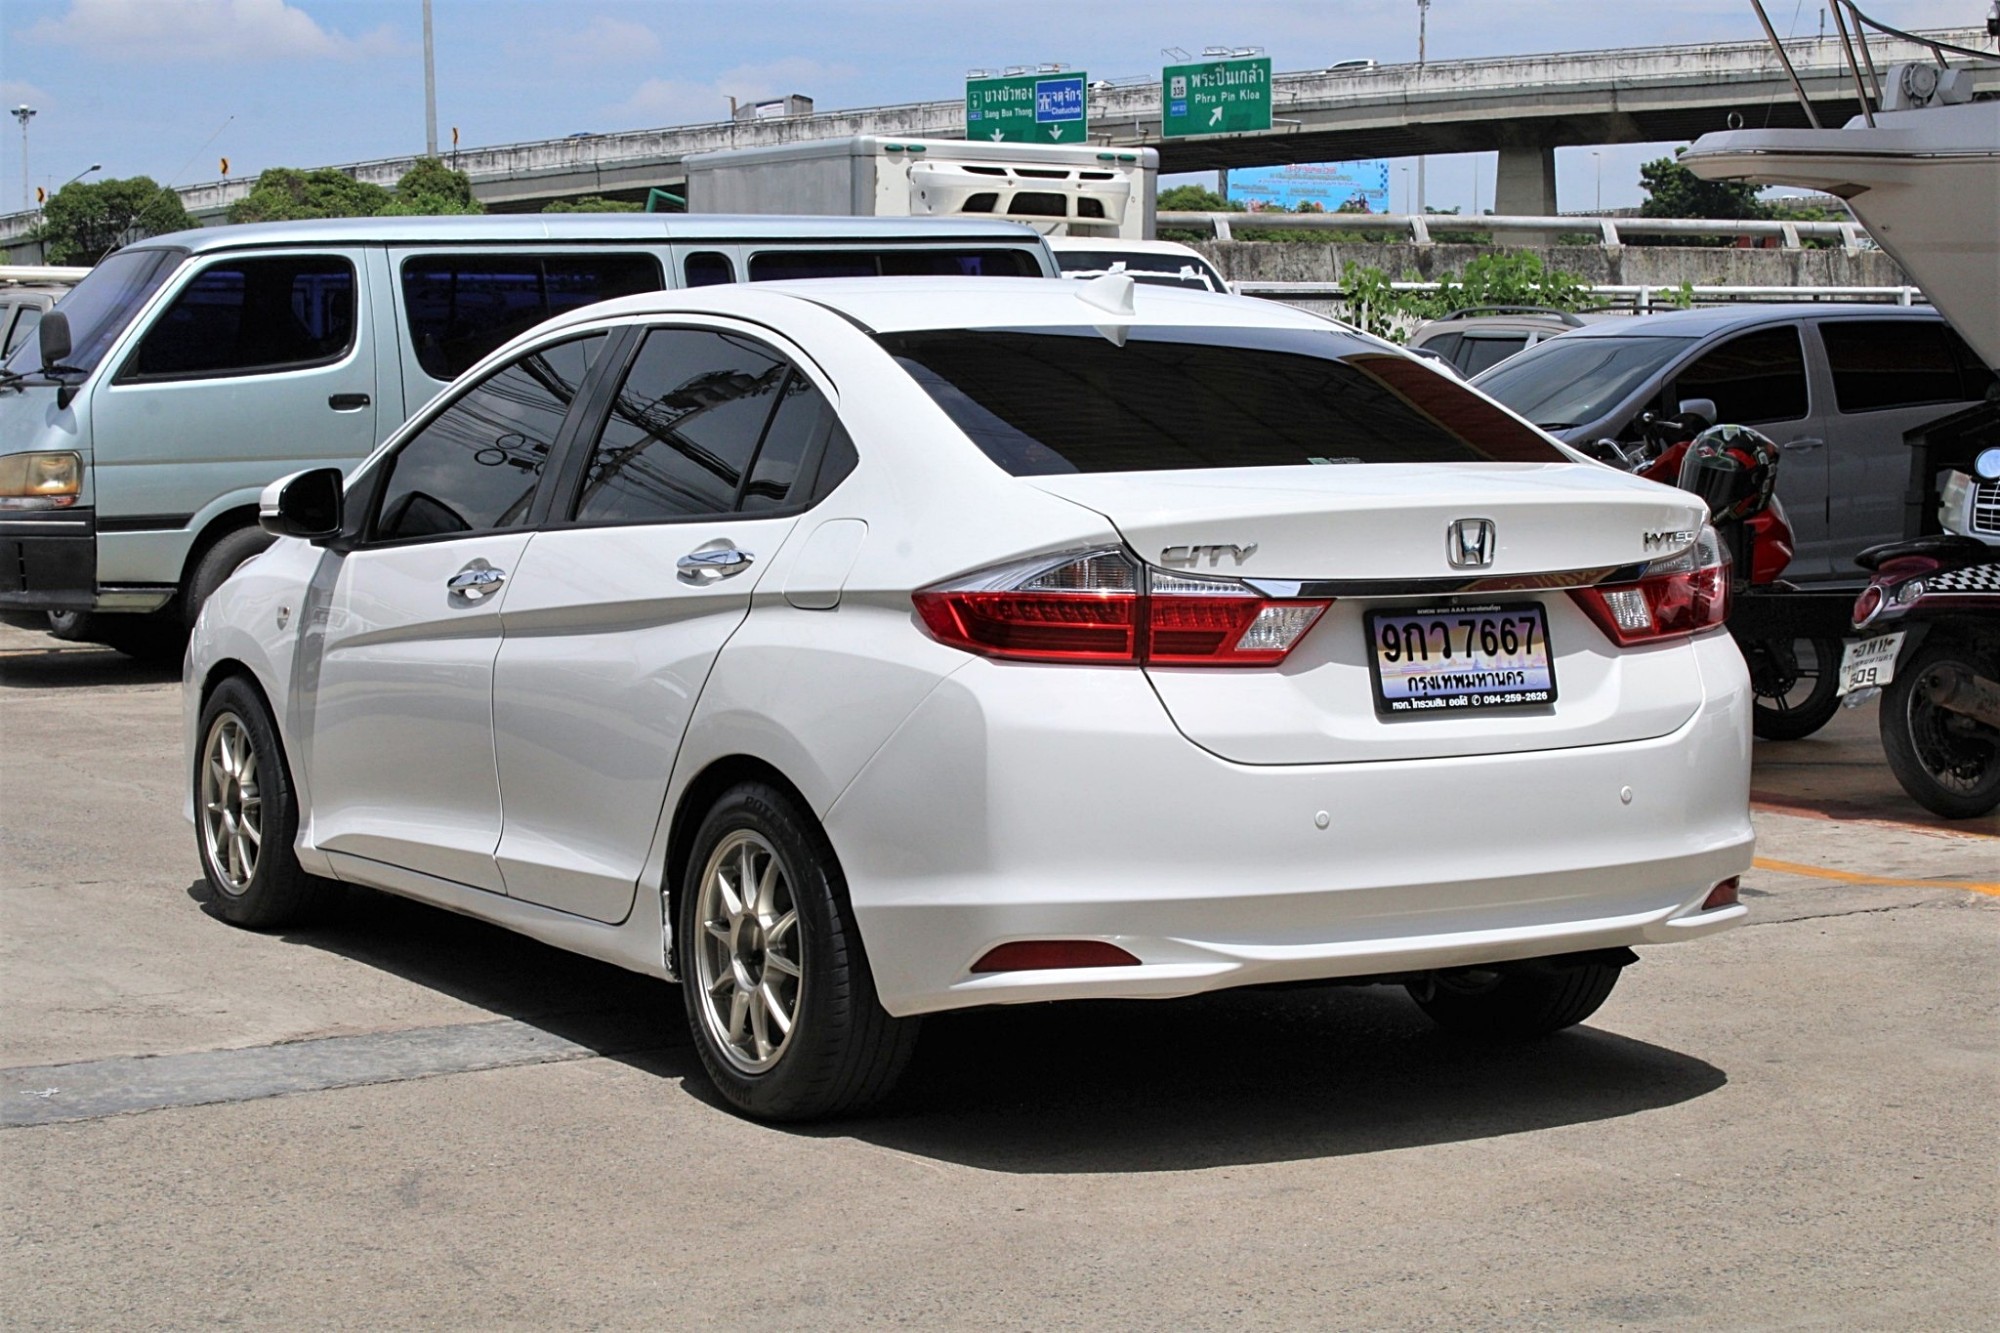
(1033, 803)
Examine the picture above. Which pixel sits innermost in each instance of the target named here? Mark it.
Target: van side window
(1756, 378)
(781, 265)
(475, 467)
(460, 307)
(1884, 363)
(710, 268)
(253, 315)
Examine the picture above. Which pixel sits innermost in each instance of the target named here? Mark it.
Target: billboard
(1328, 184)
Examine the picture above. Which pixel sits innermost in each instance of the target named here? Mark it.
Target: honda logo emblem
(1468, 543)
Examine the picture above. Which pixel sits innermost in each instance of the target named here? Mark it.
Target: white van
(188, 371)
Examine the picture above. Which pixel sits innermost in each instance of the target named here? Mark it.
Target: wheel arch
(703, 790)
(231, 668)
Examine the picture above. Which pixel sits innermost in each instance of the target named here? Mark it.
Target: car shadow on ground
(1233, 1078)
(76, 666)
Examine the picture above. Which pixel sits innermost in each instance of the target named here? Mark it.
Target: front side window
(99, 307)
(900, 262)
(1883, 363)
(460, 307)
(24, 324)
(684, 428)
(253, 316)
(476, 465)
(1043, 401)
(1753, 379)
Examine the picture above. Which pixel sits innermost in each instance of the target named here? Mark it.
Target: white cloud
(14, 92)
(602, 41)
(685, 101)
(203, 30)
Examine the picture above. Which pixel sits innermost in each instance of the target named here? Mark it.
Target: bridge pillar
(1525, 186)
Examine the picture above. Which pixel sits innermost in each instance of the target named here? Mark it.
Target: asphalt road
(400, 1117)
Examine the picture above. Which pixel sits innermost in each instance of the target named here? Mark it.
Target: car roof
(599, 227)
(1716, 319)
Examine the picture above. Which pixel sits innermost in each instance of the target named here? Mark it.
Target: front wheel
(1796, 683)
(1515, 1001)
(246, 815)
(1946, 761)
(777, 987)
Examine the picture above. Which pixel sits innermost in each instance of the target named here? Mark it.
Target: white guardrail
(1609, 232)
(1640, 297)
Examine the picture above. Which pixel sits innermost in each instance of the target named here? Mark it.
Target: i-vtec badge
(1677, 540)
(1187, 557)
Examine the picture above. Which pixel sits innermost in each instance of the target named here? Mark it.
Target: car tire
(1780, 711)
(1948, 763)
(246, 815)
(72, 626)
(1515, 1001)
(217, 563)
(778, 992)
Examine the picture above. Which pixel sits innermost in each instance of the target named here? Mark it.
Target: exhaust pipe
(1953, 687)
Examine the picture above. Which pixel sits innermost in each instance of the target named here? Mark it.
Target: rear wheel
(1795, 683)
(1512, 1001)
(1946, 761)
(246, 815)
(777, 987)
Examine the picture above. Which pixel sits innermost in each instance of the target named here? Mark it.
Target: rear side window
(1884, 363)
(1043, 401)
(1477, 354)
(1756, 378)
(902, 262)
(1445, 345)
(709, 268)
(250, 316)
(476, 466)
(460, 307)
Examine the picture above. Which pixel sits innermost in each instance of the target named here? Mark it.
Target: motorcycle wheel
(1946, 761)
(1795, 683)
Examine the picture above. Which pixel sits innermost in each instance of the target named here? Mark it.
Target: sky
(167, 88)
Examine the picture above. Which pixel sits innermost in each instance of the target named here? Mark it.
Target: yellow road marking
(1849, 877)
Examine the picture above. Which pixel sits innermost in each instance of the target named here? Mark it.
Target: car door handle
(709, 564)
(476, 582)
(347, 402)
(1804, 444)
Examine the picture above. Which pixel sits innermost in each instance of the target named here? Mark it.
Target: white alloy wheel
(232, 804)
(750, 959)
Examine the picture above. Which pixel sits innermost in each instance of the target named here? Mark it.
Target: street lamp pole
(25, 113)
(1423, 26)
(430, 88)
(1598, 158)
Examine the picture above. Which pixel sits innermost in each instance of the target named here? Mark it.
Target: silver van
(188, 371)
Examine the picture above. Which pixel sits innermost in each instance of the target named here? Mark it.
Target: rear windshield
(99, 307)
(1567, 382)
(1045, 401)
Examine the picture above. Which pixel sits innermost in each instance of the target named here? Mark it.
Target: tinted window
(1573, 381)
(683, 428)
(1882, 363)
(1445, 345)
(796, 428)
(475, 466)
(1065, 400)
(461, 307)
(99, 307)
(24, 324)
(1477, 354)
(1758, 377)
(707, 269)
(780, 265)
(245, 315)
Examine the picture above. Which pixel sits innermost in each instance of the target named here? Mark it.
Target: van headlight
(40, 481)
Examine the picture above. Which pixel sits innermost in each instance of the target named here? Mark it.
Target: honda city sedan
(849, 651)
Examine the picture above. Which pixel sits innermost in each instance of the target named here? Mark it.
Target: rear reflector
(1671, 598)
(1722, 895)
(1100, 606)
(1046, 955)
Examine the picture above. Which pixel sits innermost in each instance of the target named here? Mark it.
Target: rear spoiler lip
(1554, 581)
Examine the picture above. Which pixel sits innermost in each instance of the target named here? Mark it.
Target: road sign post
(1028, 108)
(1216, 97)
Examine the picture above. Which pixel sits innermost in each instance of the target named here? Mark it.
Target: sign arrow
(998, 135)
(1055, 133)
(1215, 116)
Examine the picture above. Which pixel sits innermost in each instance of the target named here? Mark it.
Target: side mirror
(305, 504)
(1703, 408)
(53, 333)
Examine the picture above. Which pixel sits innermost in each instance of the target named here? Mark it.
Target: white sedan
(856, 650)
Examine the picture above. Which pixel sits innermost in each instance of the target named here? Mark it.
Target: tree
(1499, 277)
(83, 223)
(592, 203)
(1194, 199)
(284, 194)
(1672, 191)
(430, 188)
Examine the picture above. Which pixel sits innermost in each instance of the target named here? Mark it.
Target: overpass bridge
(1522, 107)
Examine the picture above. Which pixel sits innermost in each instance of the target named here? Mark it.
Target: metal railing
(1610, 232)
(1640, 298)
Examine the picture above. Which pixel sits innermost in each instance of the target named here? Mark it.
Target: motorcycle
(1794, 680)
(1937, 668)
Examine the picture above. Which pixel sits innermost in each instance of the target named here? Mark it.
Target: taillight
(1101, 606)
(1670, 598)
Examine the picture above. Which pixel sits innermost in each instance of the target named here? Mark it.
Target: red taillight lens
(1673, 597)
(1101, 607)
(1722, 895)
(1048, 955)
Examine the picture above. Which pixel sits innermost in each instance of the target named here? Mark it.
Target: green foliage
(83, 223)
(431, 189)
(285, 194)
(592, 203)
(1194, 199)
(1502, 277)
(1672, 191)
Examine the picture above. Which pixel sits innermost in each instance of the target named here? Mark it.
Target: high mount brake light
(1671, 598)
(1101, 606)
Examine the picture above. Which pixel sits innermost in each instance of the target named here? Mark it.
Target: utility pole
(25, 113)
(430, 89)
(1598, 158)
(1423, 24)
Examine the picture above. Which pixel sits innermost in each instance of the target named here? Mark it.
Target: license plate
(1438, 661)
(1869, 663)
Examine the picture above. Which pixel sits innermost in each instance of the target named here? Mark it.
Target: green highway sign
(1028, 108)
(1216, 97)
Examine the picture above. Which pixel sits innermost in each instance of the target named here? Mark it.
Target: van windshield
(100, 307)
(1568, 382)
